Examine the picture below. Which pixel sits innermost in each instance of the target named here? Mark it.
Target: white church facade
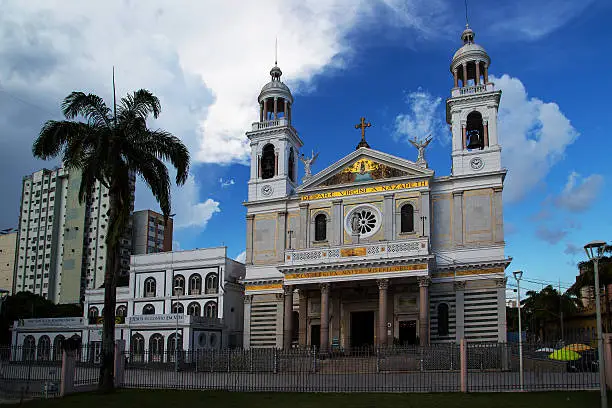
(195, 295)
(376, 249)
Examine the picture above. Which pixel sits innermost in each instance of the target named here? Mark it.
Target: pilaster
(458, 218)
(459, 310)
(304, 226)
(498, 216)
(282, 236)
(425, 205)
(388, 216)
(336, 222)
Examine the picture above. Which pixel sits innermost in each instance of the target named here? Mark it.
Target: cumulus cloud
(534, 135)
(241, 257)
(423, 118)
(579, 192)
(551, 235)
(226, 183)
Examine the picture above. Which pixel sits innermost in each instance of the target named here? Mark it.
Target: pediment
(365, 166)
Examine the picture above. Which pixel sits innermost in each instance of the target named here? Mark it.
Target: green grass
(186, 399)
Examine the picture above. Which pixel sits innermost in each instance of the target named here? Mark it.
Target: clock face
(476, 163)
(267, 190)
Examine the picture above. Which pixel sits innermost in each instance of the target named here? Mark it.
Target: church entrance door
(315, 335)
(362, 329)
(407, 332)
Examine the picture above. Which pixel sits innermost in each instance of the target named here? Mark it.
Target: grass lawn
(186, 399)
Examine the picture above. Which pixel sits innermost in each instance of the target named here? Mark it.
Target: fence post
(606, 359)
(464, 366)
(119, 362)
(67, 376)
(274, 365)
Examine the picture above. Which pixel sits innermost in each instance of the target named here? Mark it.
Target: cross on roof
(363, 125)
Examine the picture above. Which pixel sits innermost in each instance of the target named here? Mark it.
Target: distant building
(150, 233)
(8, 240)
(61, 247)
(199, 288)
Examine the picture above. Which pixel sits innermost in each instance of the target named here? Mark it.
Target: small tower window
(407, 218)
(320, 227)
(291, 165)
(268, 162)
(474, 131)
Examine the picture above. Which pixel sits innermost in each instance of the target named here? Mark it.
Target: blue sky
(387, 60)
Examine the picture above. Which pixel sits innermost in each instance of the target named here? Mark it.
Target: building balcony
(379, 251)
(270, 124)
(471, 90)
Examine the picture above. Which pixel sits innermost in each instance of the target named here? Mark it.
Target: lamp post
(593, 251)
(518, 275)
(177, 291)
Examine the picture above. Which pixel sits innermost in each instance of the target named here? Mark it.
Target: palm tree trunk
(113, 264)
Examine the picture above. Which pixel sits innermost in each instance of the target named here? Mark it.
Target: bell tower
(471, 111)
(274, 143)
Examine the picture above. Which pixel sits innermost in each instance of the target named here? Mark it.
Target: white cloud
(579, 193)
(422, 119)
(534, 135)
(550, 235)
(226, 183)
(571, 249)
(241, 257)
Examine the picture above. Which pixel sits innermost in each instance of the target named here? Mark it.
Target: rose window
(364, 220)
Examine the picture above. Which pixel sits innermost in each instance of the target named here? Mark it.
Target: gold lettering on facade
(353, 252)
(365, 190)
(359, 271)
(264, 287)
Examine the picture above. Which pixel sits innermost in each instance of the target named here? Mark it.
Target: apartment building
(8, 239)
(151, 234)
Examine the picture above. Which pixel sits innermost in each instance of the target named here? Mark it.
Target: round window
(363, 220)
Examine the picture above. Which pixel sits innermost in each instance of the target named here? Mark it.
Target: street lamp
(177, 292)
(593, 251)
(518, 275)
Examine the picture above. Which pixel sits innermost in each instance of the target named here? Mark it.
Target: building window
(137, 348)
(443, 319)
(148, 309)
(44, 348)
(268, 160)
(149, 287)
(121, 311)
(195, 285)
(194, 309)
(156, 348)
(212, 281)
(57, 347)
(174, 343)
(29, 348)
(474, 132)
(291, 165)
(320, 227)
(179, 285)
(210, 310)
(93, 313)
(407, 218)
(178, 308)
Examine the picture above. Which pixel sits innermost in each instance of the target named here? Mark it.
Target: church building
(376, 249)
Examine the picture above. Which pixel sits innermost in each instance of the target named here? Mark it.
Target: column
(485, 125)
(288, 320)
(388, 216)
(383, 286)
(424, 211)
(465, 81)
(324, 317)
(246, 339)
(458, 218)
(261, 111)
(276, 163)
(259, 166)
(477, 82)
(463, 135)
(282, 236)
(249, 241)
(302, 240)
(265, 112)
(500, 284)
(276, 107)
(486, 73)
(336, 222)
(289, 111)
(424, 310)
(303, 329)
(459, 310)
(455, 78)
(286, 110)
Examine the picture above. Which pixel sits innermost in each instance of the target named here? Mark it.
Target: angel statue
(421, 145)
(308, 162)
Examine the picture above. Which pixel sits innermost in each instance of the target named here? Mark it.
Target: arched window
(156, 348)
(121, 311)
(148, 309)
(178, 308)
(443, 319)
(29, 348)
(195, 285)
(320, 227)
(291, 165)
(268, 162)
(194, 309)
(407, 216)
(179, 285)
(93, 314)
(57, 347)
(474, 131)
(137, 347)
(210, 310)
(149, 287)
(212, 281)
(174, 343)
(44, 348)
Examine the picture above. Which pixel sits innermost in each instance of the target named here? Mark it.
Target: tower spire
(467, 23)
(276, 52)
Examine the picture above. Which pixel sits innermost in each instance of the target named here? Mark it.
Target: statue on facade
(421, 145)
(308, 162)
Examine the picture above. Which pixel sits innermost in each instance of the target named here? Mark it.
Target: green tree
(547, 305)
(108, 147)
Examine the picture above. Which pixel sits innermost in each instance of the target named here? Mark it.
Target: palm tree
(107, 148)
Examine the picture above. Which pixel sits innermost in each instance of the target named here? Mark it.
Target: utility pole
(561, 309)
